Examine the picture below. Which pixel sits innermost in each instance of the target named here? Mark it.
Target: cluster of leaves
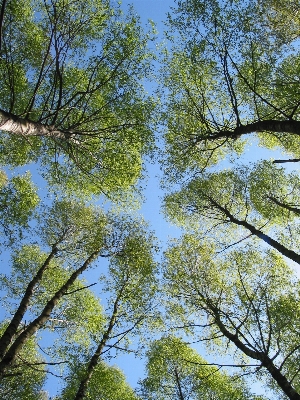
(246, 299)
(47, 299)
(175, 370)
(232, 205)
(74, 107)
(18, 198)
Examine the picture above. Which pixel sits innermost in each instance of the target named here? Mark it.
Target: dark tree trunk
(30, 330)
(12, 328)
(292, 255)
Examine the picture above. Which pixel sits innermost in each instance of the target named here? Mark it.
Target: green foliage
(230, 65)
(172, 364)
(132, 279)
(232, 71)
(107, 383)
(271, 188)
(73, 327)
(79, 237)
(18, 200)
(3, 179)
(81, 78)
(245, 290)
(73, 226)
(26, 377)
(217, 204)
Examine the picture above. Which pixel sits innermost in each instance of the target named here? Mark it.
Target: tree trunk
(42, 318)
(81, 393)
(286, 161)
(292, 255)
(283, 205)
(271, 125)
(25, 127)
(17, 318)
(178, 384)
(265, 360)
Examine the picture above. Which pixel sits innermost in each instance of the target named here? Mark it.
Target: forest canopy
(91, 102)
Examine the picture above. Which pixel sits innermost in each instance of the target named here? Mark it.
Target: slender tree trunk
(12, 328)
(283, 205)
(178, 384)
(1, 21)
(81, 393)
(42, 318)
(292, 255)
(286, 161)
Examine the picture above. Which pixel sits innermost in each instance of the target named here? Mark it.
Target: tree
(246, 299)
(274, 11)
(64, 224)
(237, 204)
(50, 293)
(107, 383)
(74, 103)
(228, 76)
(231, 78)
(176, 371)
(74, 106)
(132, 286)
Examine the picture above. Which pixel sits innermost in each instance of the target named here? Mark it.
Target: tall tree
(50, 293)
(176, 371)
(25, 379)
(74, 102)
(245, 300)
(228, 76)
(107, 383)
(233, 205)
(131, 286)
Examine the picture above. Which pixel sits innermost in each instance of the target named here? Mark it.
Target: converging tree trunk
(12, 328)
(82, 390)
(15, 348)
(25, 127)
(265, 360)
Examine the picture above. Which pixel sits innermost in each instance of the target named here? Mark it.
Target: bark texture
(270, 125)
(25, 127)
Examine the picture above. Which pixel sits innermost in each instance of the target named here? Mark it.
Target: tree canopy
(44, 293)
(211, 315)
(176, 371)
(74, 102)
(239, 300)
(231, 78)
(231, 72)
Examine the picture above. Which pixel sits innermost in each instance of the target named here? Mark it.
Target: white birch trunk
(18, 126)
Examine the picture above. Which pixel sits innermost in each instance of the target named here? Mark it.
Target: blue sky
(156, 11)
